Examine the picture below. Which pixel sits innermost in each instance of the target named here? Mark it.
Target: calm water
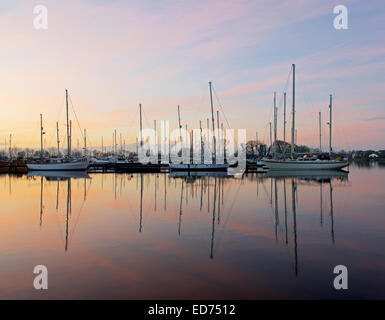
(158, 236)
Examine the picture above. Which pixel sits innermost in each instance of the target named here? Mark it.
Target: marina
(193, 158)
(124, 235)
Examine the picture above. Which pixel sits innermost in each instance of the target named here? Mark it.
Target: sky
(112, 55)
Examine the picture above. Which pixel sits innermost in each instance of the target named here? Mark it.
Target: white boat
(57, 165)
(99, 161)
(305, 164)
(198, 166)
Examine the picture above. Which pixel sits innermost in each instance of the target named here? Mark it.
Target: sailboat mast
(68, 128)
(200, 130)
(140, 118)
(180, 125)
(219, 134)
(213, 122)
(330, 126)
(57, 138)
(85, 142)
(70, 138)
(156, 143)
(284, 117)
(271, 139)
(10, 145)
(293, 124)
(41, 136)
(275, 123)
(320, 132)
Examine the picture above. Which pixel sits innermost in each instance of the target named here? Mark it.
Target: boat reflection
(316, 175)
(295, 179)
(59, 175)
(208, 190)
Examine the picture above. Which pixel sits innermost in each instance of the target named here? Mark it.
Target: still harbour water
(160, 236)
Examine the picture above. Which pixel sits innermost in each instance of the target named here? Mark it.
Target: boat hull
(305, 165)
(64, 166)
(198, 167)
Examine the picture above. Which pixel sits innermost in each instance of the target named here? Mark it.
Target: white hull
(199, 167)
(305, 165)
(61, 166)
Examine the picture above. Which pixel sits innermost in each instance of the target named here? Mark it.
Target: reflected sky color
(112, 55)
(162, 237)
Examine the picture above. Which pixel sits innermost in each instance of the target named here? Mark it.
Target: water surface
(159, 236)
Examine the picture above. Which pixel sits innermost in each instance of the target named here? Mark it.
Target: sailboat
(306, 163)
(202, 166)
(58, 164)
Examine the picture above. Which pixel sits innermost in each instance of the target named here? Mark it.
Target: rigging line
(220, 105)
(145, 118)
(285, 88)
(227, 218)
(76, 117)
(78, 217)
(60, 108)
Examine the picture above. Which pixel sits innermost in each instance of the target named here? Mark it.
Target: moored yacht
(59, 164)
(305, 163)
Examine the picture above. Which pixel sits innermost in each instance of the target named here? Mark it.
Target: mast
(137, 147)
(218, 125)
(223, 141)
(57, 138)
(10, 145)
(102, 146)
(180, 125)
(293, 124)
(156, 143)
(256, 143)
(68, 129)
(200, 130)
(70, 140)
(284, 117)
(85, 142)
(213, 122)
(140, 119)
(208, 134)
(115, 144)
(330, 127)
(186, 138)
(275, 122)
(320, 133)
(271, 139)
(41, 136)
(121, 145)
